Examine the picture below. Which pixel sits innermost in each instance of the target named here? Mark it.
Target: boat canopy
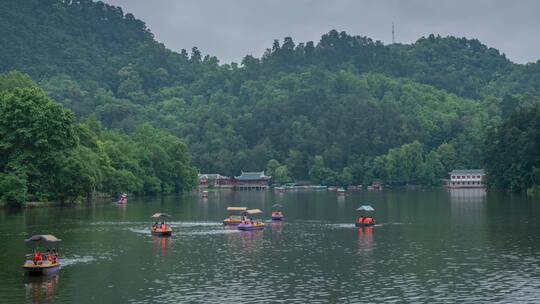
(365, 208)
(277, 206)
(237, 208)
(43, 237)
(161, 215)
(254, 211)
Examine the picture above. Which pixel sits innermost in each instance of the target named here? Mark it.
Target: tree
(512, 159)
(281, 175)
(13, 188)
(318, 171)
(34, 133)
(271, 167)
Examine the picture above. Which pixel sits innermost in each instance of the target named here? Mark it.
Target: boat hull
(161, 233)
(277, 216)
(250, 227)
(364, 224)
(40, 270)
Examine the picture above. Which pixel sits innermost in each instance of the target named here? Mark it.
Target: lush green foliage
(513, 151)
(345, 110)
(44, 155)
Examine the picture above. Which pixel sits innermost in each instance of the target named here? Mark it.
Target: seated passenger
(37, 257)
(163, 226)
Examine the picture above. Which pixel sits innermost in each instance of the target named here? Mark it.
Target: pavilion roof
(252, 176)
(467, 171)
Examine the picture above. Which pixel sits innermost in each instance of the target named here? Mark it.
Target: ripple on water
(76, 260)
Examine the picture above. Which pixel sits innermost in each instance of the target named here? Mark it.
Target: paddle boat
(277, 214)
(42, 263)
(364, 220)
(162, 229)
(248, 224)
(340, 192)
(204, 194)
(234, 215)
(123, 199)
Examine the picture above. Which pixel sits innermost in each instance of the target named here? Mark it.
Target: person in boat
(49, 256)
(54, 255)
(38, 258)
(163, 226)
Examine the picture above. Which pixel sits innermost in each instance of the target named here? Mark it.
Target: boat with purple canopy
(250, 224)
(39, 263)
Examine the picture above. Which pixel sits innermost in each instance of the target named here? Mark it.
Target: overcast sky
(230, 29)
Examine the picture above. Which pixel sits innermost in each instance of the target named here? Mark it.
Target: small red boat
(162, 229)
(277, 214)
(363, 220)
(123, 199)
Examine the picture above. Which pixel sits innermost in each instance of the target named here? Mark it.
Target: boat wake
(341, 226)
(76, 260)
(211, 232)
(140, 230)
(194, 224)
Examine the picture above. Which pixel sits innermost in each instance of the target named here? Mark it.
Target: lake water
(428, 246)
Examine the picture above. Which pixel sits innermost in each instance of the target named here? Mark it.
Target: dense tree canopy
(343, 110)
(44, 155)
(513, 151)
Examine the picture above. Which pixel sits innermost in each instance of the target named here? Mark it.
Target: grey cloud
(231, 29)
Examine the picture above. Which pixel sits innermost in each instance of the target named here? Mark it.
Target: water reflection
(251, 241)
(468, 206)
(161, 244)
(467, 195)
(365, 239)
(41, 289)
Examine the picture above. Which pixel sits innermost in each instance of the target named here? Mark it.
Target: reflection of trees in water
(365, 239)
(512, 222)
(41, 289)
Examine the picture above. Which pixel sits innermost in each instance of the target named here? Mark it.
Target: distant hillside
(334, 111)
(89, 41)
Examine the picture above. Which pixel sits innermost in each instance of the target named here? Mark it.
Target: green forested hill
(344, 110)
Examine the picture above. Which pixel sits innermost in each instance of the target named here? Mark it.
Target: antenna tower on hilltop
(393, 34)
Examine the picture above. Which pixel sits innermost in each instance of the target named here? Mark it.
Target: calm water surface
(429, 246)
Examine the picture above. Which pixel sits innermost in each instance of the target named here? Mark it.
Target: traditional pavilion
(468, 178)
(251, 181)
